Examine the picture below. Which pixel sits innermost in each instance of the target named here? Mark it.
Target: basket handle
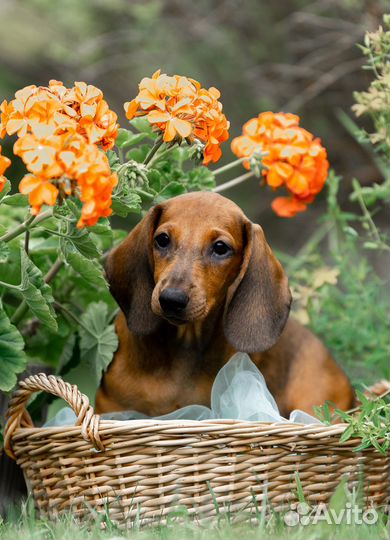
(17, 415)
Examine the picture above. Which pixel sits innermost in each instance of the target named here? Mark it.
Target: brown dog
(196, 281)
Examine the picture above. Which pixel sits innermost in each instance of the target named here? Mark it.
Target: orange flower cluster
(59, 131)
(63, 165)
(181, 109)
(294, 158)
(4, 164)
(80, 109)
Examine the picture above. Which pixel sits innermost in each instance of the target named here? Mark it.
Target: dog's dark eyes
(162, 240)
(221, 249)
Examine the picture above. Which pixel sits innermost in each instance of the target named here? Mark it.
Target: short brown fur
(236, 303)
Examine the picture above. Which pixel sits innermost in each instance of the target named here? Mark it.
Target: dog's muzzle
(173, 302)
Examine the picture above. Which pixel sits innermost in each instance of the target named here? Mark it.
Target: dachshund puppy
(196, 282)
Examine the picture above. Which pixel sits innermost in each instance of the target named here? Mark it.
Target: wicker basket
(144, 468)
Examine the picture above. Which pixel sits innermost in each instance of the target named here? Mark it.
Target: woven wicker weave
(144, 468)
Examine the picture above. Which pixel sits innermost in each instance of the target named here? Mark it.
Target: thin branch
(29, 223)
(234, 182)
(323, 82)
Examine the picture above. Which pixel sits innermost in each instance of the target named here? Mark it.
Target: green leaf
(347, 433)
(154, 178)
(300, 492)
(340, 496)
(128, 138)
(16, 200)
(98, 340)
(4, 252)
(70, 356)
(138, 154)
(12, 357)
(37, 293)
(125, 202)
(200, 178)
(6, 189)
(113, 160)
(91, 271)
(103, 232)
(170, 190)
(82, 242)
(143, 126)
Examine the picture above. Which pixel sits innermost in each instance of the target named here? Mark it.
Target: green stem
(367, 216)
(9, 285)
(160, 155)
(153, 150)
(51, 274)
(19, 313)
(26, 241)
(234, 182)
(229, 166)
(74, 317)
(29, 223)
(145, 194)
(71, 315)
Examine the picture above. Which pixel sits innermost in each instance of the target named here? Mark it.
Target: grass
(23, 524)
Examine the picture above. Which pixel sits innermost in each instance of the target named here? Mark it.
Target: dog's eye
(220, 248)
(162, 240)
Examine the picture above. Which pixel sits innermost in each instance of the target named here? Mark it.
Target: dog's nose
(173, 301)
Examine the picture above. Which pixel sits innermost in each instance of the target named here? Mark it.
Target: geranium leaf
(12, 357)
(36, 292)
(143, 125)
(91, 271)
(200, 178)
(128, 138)
(4, 252)
(6, 189)
(82, 242)
(98, 340)
(16, 200)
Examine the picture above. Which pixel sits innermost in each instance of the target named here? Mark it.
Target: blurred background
(296, 56)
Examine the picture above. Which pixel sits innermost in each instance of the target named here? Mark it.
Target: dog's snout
(173, 301)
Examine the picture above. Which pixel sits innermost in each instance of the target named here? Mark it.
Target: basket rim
(194, 426)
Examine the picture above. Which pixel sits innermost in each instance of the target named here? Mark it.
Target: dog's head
(192, 255)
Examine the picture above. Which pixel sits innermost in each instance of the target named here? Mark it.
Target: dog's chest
(163, 390)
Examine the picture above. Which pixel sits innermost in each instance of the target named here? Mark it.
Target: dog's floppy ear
(258, 301)
(130, 275)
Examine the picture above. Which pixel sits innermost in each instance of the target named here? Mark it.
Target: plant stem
(70, 314)
(29, 223)
(51, 274)
(234, 182)
(26, 240)
(9, 285)
(162, 154)
(74, 317)
(153, 150)
(145, 194)
(367, 216)
(229, 166)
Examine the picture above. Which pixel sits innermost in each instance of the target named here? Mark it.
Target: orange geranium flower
(181, 109)
(4, 164)
(79, 109)
(64, 165)
(59, 131)
(294, 158)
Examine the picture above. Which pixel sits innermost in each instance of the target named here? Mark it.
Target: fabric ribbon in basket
(239, 392)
